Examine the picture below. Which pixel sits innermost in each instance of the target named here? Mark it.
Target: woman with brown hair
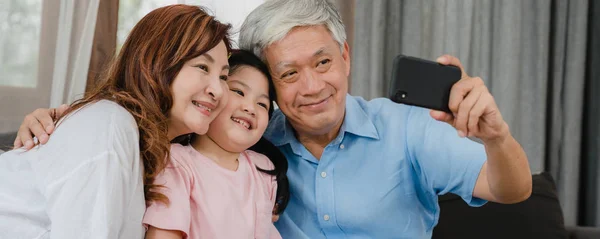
(91, 179)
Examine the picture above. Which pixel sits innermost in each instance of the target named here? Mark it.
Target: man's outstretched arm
(505, 177)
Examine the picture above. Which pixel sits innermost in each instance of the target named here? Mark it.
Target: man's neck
(207, 147)
(316, 143)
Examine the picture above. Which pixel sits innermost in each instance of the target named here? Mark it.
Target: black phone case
(422, 83)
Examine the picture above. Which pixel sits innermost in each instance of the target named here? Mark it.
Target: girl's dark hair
(241, 58)
(237, 60)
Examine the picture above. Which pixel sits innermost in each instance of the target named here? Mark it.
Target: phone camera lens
(400, 95)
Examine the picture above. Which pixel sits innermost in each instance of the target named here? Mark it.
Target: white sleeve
(90, 175)
(91, 201)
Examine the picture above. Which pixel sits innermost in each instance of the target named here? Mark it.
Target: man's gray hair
(272, 20)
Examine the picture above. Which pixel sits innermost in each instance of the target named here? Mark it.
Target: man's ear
(346, 57)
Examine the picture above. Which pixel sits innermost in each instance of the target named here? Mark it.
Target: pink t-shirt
(208, 201)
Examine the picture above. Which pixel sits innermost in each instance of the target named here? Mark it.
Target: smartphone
(422, 83)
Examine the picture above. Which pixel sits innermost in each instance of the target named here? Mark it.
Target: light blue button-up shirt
(380, 177)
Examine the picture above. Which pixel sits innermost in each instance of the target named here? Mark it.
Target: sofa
(7, 140)
(540, 216)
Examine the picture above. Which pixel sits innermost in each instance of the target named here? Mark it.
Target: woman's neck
(173, 132)
(210, 149)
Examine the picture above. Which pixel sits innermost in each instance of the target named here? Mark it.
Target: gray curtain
(565, 101)
(591, 130)
(531, 54)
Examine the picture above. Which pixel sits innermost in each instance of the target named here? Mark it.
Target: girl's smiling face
(244, 118)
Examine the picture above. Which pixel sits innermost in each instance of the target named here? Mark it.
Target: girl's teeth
(243, 123)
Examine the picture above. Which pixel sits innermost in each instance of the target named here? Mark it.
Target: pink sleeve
(263, 162)
(272, 185)
(274, 232)
(176, 180)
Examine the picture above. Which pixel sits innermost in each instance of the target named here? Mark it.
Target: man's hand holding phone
(453, 96)
(474, 110)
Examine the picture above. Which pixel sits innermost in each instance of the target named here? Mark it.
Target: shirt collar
(357, 121)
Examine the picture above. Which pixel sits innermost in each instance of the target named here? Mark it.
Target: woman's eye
(203, 67)
(239, 92)
(224, 77)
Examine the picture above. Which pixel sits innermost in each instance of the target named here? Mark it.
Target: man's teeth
(201, 106)
(242, 122)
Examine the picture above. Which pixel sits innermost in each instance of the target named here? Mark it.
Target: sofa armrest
(583, 232)
(6, 140)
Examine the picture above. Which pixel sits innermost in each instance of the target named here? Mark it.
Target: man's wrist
(501, 139)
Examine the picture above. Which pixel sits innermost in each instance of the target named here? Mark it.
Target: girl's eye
(263, 105)
(239, 92)
(224, 77)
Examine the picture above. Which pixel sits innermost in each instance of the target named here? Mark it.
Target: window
(131, 11)
(22, 87)
(229, 11)
(20, 23)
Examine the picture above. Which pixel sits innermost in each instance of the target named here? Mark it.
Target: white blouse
(86, 182)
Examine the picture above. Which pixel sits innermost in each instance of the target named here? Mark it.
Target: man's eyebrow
(319, 52)
(283, 64)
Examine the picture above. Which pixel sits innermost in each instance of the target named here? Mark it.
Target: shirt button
(323, 174)
(341, 146)
(326, 217)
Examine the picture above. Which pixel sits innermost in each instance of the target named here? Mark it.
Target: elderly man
(370, 169)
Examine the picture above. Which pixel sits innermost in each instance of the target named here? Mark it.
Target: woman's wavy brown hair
(140, 77)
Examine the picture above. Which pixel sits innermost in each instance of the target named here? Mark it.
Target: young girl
(217, 188)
